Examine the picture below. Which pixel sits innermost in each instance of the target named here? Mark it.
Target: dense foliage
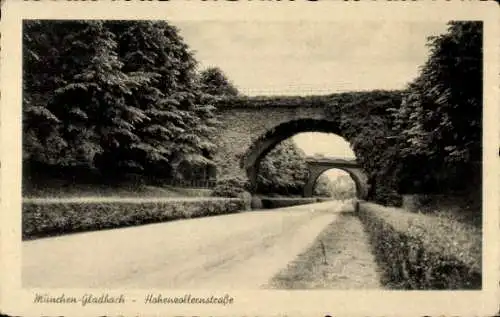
(367, 124)
(116, 96)
(439, 122)
(283, 171)
(323, 187)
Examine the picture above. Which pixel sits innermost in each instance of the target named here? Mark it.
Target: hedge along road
(240, 250)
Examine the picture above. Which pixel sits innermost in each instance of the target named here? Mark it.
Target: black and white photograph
(271, 155)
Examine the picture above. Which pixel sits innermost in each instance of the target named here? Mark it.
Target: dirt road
(238, 251)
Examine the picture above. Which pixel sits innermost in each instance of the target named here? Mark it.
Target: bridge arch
(319, 166)
(264, 144)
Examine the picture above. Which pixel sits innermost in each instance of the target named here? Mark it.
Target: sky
(304, 57)
(301, 57)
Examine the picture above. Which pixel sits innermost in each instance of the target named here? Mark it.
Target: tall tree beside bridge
(70, 71)
(180, 120)
(440, 121)
(121, 96)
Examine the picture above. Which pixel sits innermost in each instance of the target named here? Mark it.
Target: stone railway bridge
(250, 127)
(317, 166)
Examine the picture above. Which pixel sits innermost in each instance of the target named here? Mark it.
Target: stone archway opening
(336, 184)
(318, 166)
(346, 168)
(314, 165)
(265, 143)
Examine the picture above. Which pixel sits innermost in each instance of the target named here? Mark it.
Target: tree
(93, 103)
(122, 96)
(343, 187)
(83, 95)
(439, 122)
(180, 120)
(283, 171)
(42, 141)
(214, 82)
(323, 187)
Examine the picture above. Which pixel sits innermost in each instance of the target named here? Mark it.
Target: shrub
(231, 187)
(55, 217)
(246, 197)
(256, 202)
(418, 251)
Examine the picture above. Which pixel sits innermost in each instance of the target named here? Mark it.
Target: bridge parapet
(334, 161)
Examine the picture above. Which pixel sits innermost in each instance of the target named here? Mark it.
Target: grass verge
(339, 258)
(420, 251)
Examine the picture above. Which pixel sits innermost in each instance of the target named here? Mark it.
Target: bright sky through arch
(312, 57)
(324, 143)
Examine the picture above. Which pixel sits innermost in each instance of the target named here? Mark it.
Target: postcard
(249, 158)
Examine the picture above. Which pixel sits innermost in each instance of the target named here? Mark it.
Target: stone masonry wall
(240, 128)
